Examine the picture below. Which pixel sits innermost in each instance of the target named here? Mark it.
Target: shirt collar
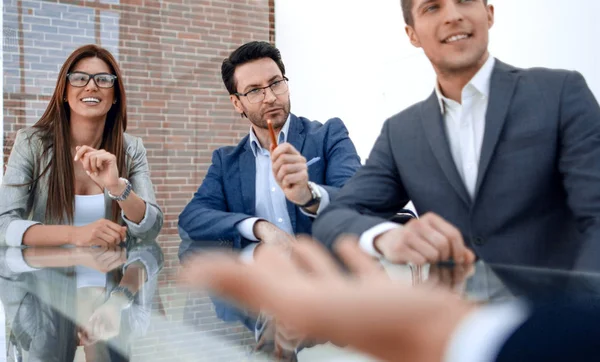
(481, 82)
(255, 144)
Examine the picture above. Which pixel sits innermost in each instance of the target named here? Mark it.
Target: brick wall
(170, 53)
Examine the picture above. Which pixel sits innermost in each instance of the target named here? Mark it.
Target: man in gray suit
(498, 160)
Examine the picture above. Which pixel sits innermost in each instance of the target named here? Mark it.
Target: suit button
(479, 241)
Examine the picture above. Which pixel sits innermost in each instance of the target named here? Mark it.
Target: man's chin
(462, 62)
(278, 119)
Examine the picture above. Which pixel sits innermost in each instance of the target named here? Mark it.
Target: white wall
(352, 59)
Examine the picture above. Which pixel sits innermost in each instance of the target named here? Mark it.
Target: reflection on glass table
(74, 304)
(70, 304)
(486, 282)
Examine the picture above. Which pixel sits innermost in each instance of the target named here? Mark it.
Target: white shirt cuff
(481, 335)
(16, 262)
(322, 204)
(149, 219)
(367, 239)
(246, 228)
(247, 254)
(15, 231)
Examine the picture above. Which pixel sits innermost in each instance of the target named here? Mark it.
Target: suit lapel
(247, 165)
(295, 137)
(433, 124)
(502, 88)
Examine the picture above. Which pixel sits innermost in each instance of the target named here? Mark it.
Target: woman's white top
(89, 208)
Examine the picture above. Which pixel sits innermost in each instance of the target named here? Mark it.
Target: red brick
(170, 53)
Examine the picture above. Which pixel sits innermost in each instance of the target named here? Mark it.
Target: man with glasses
(258, 192)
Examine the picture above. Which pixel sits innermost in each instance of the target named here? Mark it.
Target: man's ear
(490, 13)
(237, 103)
(412, 36)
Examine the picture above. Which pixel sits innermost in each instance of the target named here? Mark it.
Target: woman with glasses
(76, 177)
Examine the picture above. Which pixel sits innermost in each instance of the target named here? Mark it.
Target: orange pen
(272, 134)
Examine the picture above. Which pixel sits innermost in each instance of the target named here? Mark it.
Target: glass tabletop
(68, 304)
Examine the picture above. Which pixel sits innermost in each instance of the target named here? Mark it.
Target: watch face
(314, 190)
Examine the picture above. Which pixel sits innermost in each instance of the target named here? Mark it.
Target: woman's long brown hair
(55, 130)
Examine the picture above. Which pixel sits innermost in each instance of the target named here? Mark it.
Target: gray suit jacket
(23, 206)
(537, 194)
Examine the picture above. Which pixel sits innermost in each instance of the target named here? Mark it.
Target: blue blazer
(227, 194)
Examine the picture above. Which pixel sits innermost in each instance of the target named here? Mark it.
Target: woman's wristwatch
(125, 192)
(125, 295)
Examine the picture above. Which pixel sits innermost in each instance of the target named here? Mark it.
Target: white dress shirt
(465, 126)
(482, 334)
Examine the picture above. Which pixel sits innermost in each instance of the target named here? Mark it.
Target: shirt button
(272, 189)
(280, 220)
(479, 241)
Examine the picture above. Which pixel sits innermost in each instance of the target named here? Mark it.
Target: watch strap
(125, 194)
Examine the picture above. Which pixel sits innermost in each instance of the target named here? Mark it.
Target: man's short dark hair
(407, 11)
(244, 54)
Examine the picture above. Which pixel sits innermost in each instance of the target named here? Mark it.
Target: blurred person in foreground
(390, 320)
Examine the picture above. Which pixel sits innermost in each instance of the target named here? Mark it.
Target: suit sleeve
(579, 162)
(15, 192)
(139, 176)
(371, 197)
(342, 158)
(206, 220)
(557, 331)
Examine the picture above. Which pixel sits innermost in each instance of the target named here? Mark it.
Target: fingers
(227, 276)
(111, 260)
(110, 239)
(114, 237)
(469, 256)
(356, 260)
(85, 338)
(427, 240)
(287, 164)
(451, 278)
(293, 179)
(414, 257)
(289, 169)
(86, 155)
(98, 242)
(313, 258)
(438, 242)
(275, 258)
(108, 233)
(451, 235)
(82, 150)
(287, 337)
(420, 244)
(120, 230)
(397, 245)
(93, 160)
(283, 149)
